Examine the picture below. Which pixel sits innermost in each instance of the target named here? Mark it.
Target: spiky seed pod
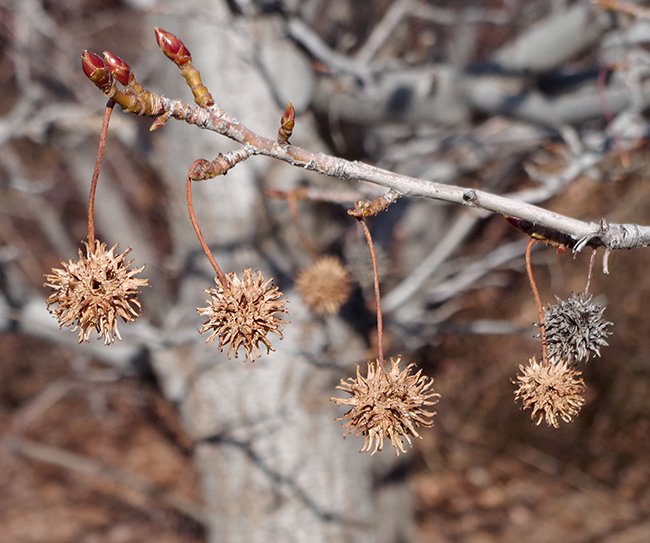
(205, 169)
(243, 313)
(553, 391)
(575, 328)
(325, 285)
(91, 293)
(387, 404)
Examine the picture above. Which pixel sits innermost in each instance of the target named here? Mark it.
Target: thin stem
(590, 273)
(538, 303)
(98, 165)
(375, 273)
(190, 207)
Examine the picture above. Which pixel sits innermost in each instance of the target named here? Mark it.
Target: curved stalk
(375, 273)
(190, 207)
(538, 303)
(98, 165)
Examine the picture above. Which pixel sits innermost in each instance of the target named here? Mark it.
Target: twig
(468, 275)
(212, 117)
(614, 236)
(315, 194)
(303, 34)
(445, 16)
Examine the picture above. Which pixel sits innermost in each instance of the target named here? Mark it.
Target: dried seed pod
(575, 328)
(325, 285)
(242, 313)
(387, 404)
(552, 390)
(91, 293)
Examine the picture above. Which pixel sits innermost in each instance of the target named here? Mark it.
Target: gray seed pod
(575, 328)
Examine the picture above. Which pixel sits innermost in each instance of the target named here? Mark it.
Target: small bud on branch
(120, 69)
(123, 73)
(160, 121)
(172, 47)
(134, 99)
(96, 70)
(287, 122)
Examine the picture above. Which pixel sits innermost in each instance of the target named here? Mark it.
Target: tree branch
(582, 233)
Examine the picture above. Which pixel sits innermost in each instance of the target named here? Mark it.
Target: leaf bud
(172, 47)
(120, 69)
(96, 70)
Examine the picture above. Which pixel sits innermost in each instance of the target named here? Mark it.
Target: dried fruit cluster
(570, 330)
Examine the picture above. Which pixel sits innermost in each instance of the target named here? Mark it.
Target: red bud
(289, 114)
(287, 122)
(120, 69)
(96, 70)
(172, 47)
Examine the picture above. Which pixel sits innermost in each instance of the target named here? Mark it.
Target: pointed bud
(160, 121)
(172, 47)
(96, 70)
(287, 122)
(120, 69)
